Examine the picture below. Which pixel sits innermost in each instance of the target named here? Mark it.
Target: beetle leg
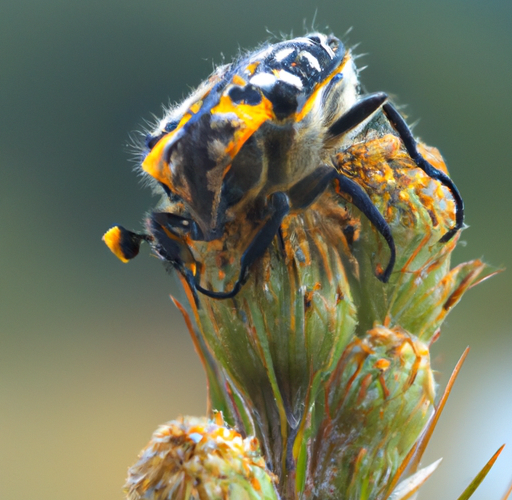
(280, 240)
(258, 246)
(303, 193)
(357, 114)
(307, 190)
(170, 245)
(363, 202)
(363, 109)
(405, 134)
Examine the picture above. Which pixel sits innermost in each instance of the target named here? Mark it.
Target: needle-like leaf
(468, 492)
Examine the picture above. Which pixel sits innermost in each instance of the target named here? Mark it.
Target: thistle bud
(197, 459)
(376, 403)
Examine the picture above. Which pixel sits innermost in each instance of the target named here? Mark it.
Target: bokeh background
(93, 355)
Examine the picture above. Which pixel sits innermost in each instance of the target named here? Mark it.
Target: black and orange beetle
(262, 130)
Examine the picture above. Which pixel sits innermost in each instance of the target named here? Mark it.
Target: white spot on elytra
(283, 53)
(263, 80)
(312, 60)
(286, 77)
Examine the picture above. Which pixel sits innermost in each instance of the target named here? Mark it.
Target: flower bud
(376, 404)
(197, 459)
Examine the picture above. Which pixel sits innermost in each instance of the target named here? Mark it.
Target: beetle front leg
(171, 246)
(357, 114)
(259, 244)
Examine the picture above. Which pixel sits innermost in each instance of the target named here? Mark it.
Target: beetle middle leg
(308, 189)
(368, 105)
(280, 206)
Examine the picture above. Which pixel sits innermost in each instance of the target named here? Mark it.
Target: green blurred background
(93, 355)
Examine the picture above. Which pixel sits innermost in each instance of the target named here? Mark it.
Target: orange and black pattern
(266, 137)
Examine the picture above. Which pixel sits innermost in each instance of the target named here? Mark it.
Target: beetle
(261, 132)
